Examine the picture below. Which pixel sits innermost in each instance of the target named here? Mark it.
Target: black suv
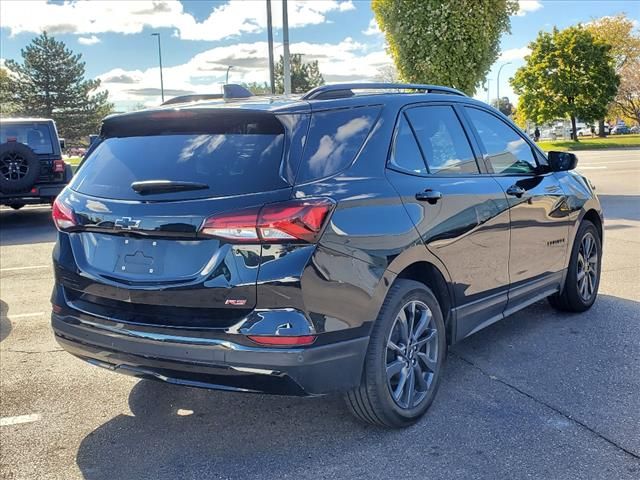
(337, 242)
(31, 165)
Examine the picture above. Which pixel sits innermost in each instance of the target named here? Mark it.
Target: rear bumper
(38, 194)
(215, 364)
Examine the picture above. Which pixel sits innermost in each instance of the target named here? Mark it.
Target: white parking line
(32, 267)
(24, 315)
(6, 421)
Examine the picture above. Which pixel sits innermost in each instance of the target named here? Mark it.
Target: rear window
(35, 135)
(233, 155)
(335, 137)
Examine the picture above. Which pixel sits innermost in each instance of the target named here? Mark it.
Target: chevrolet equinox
(335, 242)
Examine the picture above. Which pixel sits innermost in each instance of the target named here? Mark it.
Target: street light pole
(498, 82)
(160, 61)
(272, 80)
(285, 43)
(227, 80)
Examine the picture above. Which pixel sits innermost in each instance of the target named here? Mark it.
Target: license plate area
(142, 257)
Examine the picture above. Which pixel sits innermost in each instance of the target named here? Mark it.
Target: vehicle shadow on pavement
(562, 362)
(180, 432)
(5, 323)
(28, 225)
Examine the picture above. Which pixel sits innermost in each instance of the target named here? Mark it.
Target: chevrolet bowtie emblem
(127, 223)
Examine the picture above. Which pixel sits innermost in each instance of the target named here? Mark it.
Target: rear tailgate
(139, 257)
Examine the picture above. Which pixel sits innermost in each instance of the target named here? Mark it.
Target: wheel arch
(594, 217)
(430, 275)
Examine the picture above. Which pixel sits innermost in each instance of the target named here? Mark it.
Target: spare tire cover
(19, 167)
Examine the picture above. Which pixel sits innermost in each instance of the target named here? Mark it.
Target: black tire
(572, 298)
(17, 206)
(19, 167)
(373, 401)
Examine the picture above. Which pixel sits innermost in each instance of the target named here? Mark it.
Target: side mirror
(62, 147)
(562, 161)
(92, 138)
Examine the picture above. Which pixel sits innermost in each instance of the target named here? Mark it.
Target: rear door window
(335, 138)
(442, 140)
(34, 135)
(405, 155)
(232, 156)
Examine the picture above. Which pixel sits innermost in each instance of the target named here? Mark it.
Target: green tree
(8, 105)
(445, 42)
(619, 33)
(519, 117)
(50, 83)
(569, 73)
(257, 88)
(504, 105)
(304, 75)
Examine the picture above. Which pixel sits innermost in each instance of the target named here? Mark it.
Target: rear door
(537, 204)
(460, 213)
(137, 251)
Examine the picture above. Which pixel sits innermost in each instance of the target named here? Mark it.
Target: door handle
(429, 195)
(515, 191)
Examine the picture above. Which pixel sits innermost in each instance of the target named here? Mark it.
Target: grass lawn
(612, 141)
(73, 161)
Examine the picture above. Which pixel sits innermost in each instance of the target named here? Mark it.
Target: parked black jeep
(31, 165)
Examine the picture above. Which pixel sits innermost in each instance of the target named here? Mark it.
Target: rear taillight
(63, 215)
(58, 166)
(295, 220)
(282, 341)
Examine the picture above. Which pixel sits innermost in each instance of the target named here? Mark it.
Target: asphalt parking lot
(539, 395)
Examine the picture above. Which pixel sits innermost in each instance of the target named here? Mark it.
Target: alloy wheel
(13, 166)
(412, 354)
(587, 270)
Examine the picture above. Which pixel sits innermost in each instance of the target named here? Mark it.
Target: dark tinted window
(405, 154)
(442, 140)
(35, 135)
(334, 139)
(231, 163)
(507, 151)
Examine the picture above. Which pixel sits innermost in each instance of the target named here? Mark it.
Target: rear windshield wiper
(165, 186)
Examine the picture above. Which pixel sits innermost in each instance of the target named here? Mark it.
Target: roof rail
(231, 90)
(344, 90)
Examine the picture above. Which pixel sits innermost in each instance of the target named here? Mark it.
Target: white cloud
(373, 28)
(92, 40)
(514, 54)
(347, 60)
(83, 17)
(346, 6)
(528, 6)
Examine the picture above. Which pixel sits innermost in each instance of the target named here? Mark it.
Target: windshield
(35, 135)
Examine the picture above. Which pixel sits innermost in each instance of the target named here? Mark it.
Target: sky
(200, 39)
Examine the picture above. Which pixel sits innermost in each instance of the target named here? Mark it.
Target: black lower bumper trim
(310, 371)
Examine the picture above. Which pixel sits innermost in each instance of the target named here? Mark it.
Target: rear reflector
(56, 308)
(283, 341)
(295, 220)
(63, 215)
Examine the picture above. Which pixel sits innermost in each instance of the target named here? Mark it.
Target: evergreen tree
(304, 75)
(50, 83)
